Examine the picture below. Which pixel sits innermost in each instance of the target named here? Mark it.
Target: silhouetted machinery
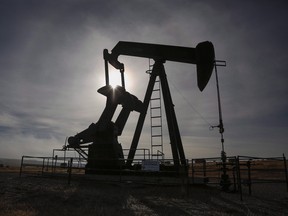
(101, 138)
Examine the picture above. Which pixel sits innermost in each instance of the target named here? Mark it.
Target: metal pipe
(105, 54)
(122, 79)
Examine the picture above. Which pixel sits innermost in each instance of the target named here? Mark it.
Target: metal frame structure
(103, 135)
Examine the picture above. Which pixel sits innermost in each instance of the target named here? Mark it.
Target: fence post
(187, 176)
(286, 174)
(70, 170)
(20, 174)
(43, 166)
(234, 169)
(204, 170)
(249, 176)
(47, 165)
(192, 170)
(54, 164)
(238, 171)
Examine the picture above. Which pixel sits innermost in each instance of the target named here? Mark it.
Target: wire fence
(149, 171)
(246, 175)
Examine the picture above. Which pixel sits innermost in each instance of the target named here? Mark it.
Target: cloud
(18, 145)
(8, 120)
(52, 65)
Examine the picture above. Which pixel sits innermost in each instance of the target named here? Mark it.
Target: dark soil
(30, 195)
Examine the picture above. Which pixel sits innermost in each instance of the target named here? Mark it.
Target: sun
(114, 78)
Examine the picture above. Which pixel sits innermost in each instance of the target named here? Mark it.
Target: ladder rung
(156, 145)
(156, 126)
(156, 89)
(155, 107)
(156, 116)
(158, 135)
(155, 98)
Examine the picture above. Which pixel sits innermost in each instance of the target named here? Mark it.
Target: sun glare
(115, 79)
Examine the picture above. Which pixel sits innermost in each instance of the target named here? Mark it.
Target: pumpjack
(101, 138)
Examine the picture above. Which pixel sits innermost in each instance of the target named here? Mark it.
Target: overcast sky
(51, 65)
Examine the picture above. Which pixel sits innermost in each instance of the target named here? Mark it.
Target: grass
(34, 195)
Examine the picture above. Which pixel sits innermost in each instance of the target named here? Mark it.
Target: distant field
(4, 162)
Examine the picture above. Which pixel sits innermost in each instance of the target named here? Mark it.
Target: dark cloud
(51, 67)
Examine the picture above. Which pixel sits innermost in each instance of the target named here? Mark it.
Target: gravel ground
(30, 195)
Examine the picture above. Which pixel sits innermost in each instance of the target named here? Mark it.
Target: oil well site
(148, 181)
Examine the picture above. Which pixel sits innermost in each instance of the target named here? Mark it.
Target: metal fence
(245, 173)
(49, 165)
(71, 167)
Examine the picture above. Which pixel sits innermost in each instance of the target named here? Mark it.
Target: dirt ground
(29, 196)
